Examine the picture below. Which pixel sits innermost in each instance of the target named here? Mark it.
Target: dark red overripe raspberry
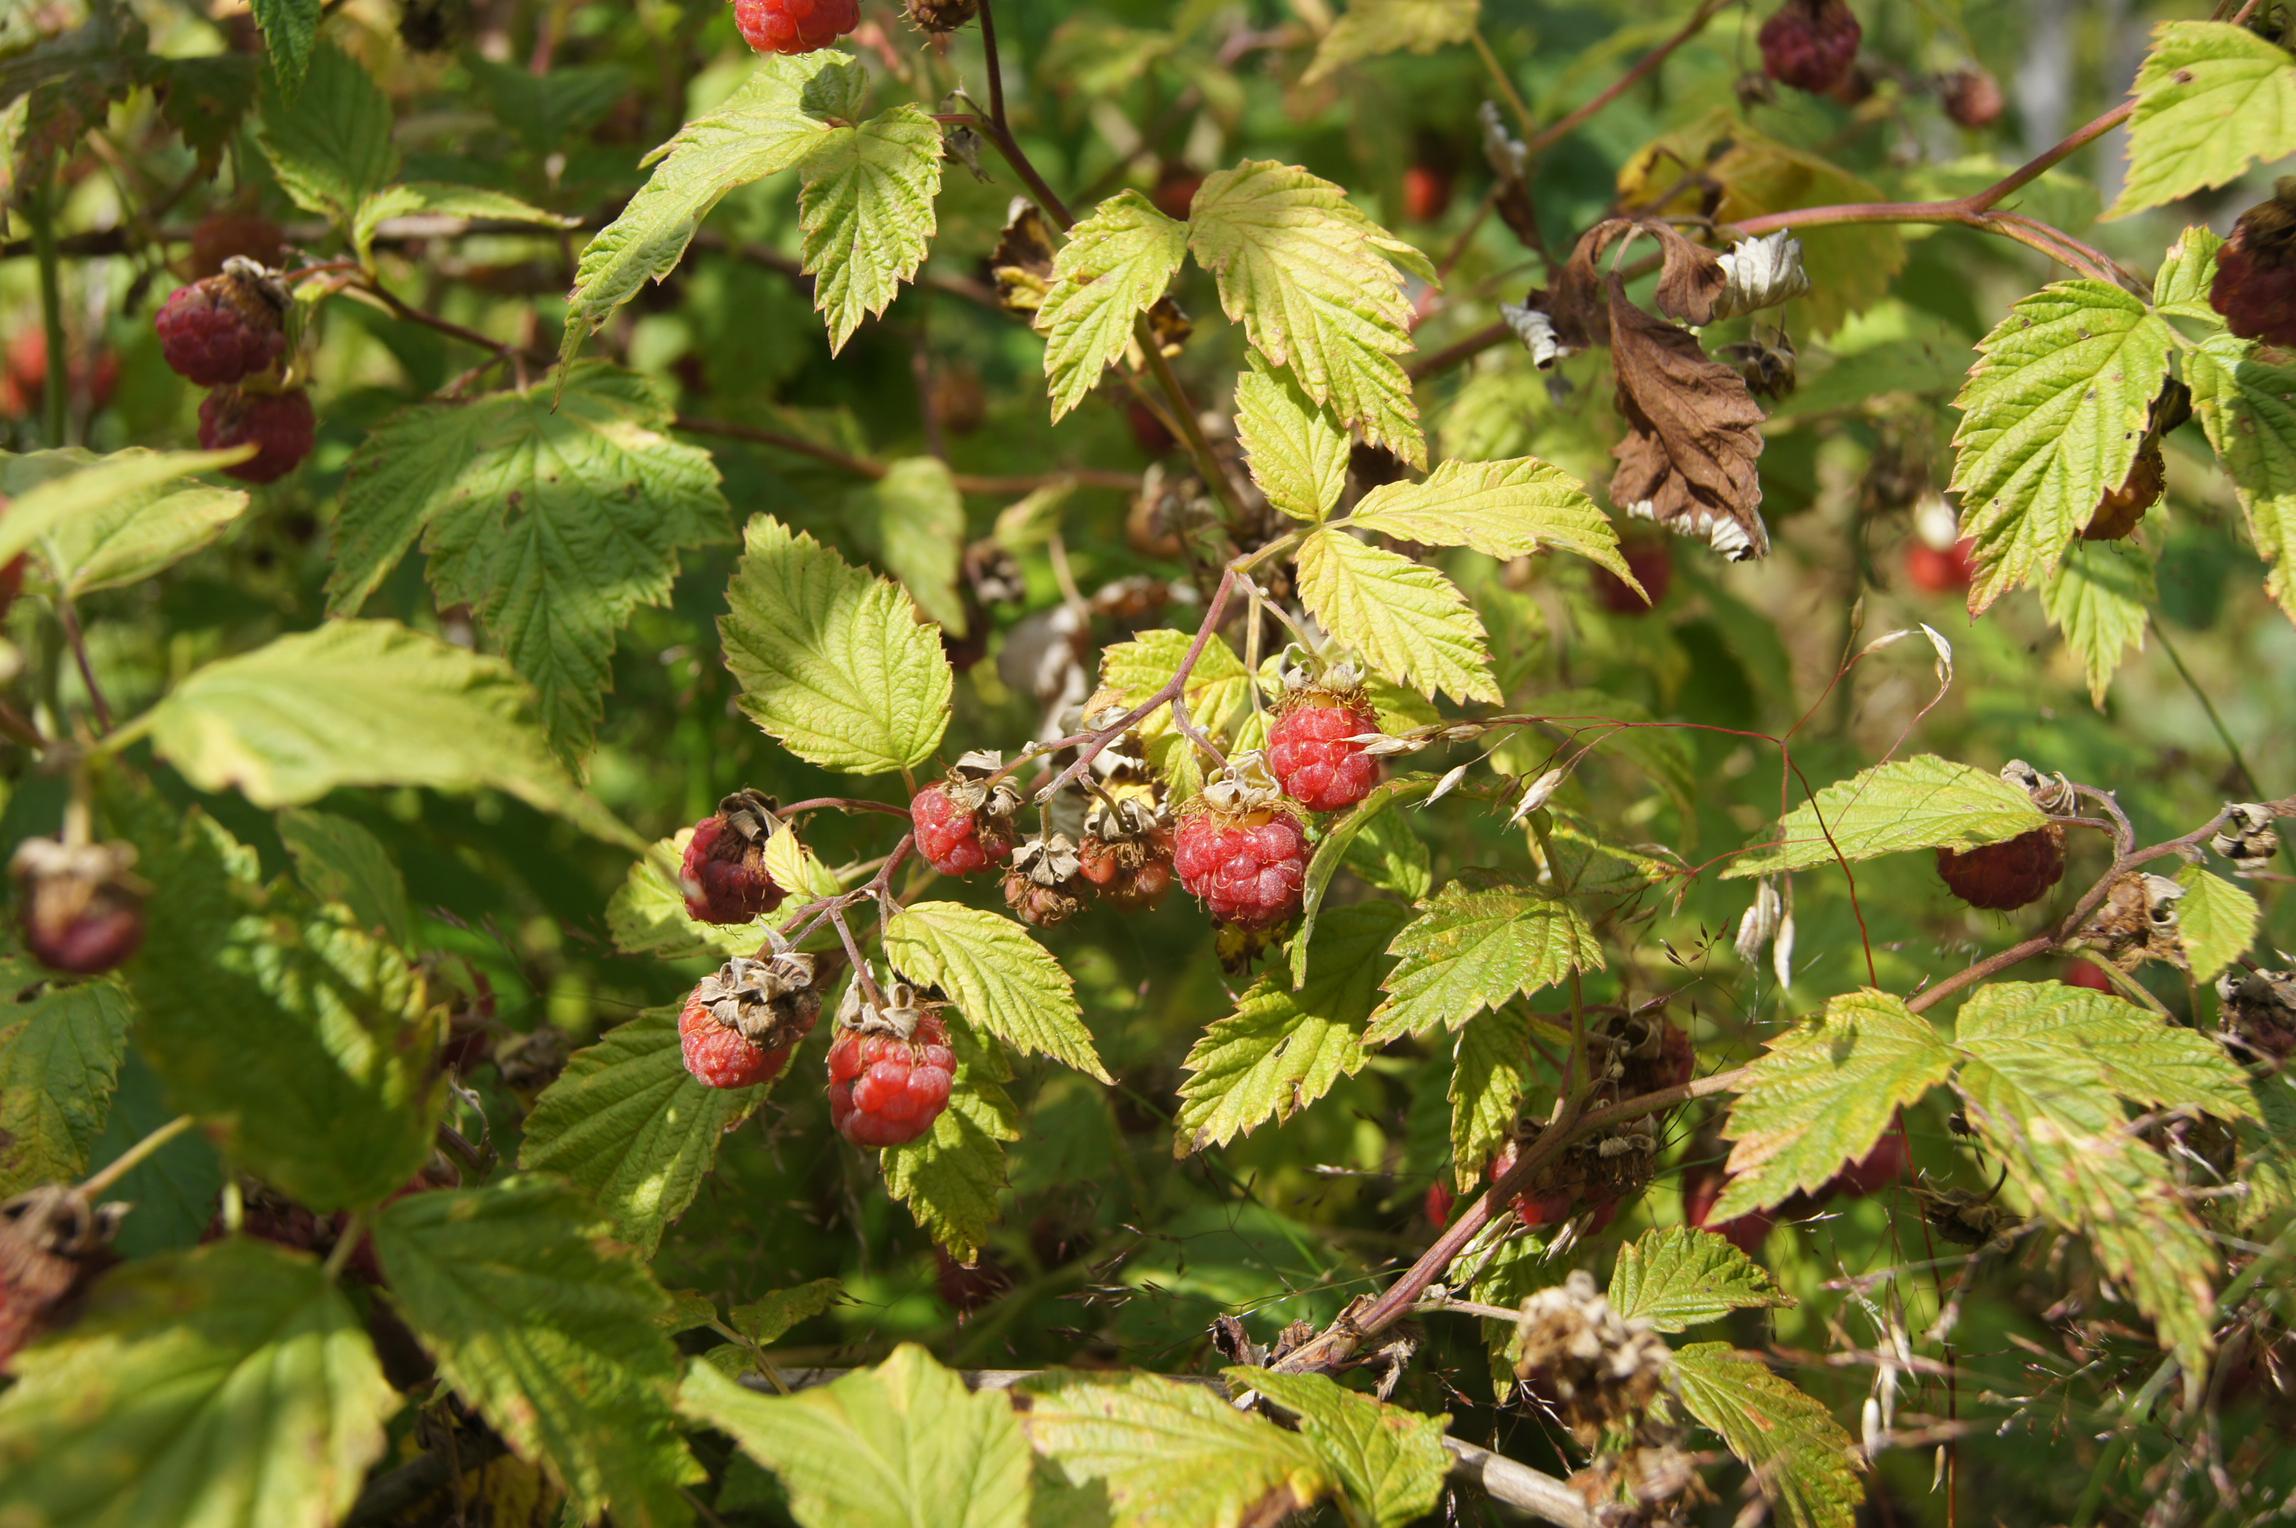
(1175, 196)
(743, 1021)
(1311, 750)
(1810, 44)
(220, 236)
(2255, 286)
(941, 15)
(279, 425)
(1652, 560)
(794, 26)
(963, 824)
(1127, 854)
(2119, 511)
(723, 874)
(1247, 866)
(1973, 97)
(887, 1091)
(81, 906)
(1702, 1187)
(1876, 1170)
(2001, 877)
(223, 329)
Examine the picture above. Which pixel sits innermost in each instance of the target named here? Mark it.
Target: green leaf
(290, 31)
(1318, 288)
(768, 125)
(1112, 268)
(2187, 273)
(831, 661)
(99, 521)
(1404, 619)
(1218, 695)
(1334, 849)
(2212, 99)
(551, 1333)
(2101, 597)
(867, 212)
(1001, 981)
(330, 143)
(1822, 1094)
(1474, 949)
(903, 1445)
(950, 1179)
(59, 1058)
(1922, 802)
(438, 199)
(2247, 405)
(337, 860)
(1390, 1462)
(1501, 509)
(2076, 1160)
(647, 913)
(2217, 920)
(554, 521)
(1680, 1278)
(1491, 1074)
(1296, 448)
(2052, 417)
(1372, 27)
(205, 99)
(1282, 1050)
(229, 1387)
(1799, 1454)
(365, 703)
(306, 1047)
(632, 1128)
(913, 521)
(1170, 1455)
(2054, 1034)
(796, 868)
(768, 1319)
(174, 1189)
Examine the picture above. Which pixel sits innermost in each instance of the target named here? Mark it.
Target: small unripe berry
(2005, 876)
(1810, 44)
(223, 329)
(280, 426)
(1127, 855)
(794, 26)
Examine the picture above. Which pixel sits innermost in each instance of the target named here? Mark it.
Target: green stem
(1516, 105)
(39, 210)
(135, 1156)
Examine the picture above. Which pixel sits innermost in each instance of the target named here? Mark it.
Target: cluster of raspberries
(228, 333)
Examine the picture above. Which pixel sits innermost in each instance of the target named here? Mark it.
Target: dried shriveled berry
(794, 26)
(1046, 886)
(280, 426)
(2119, 511)
(723, 874)
(1810, 44)
(53, 1243)
(942, 15)
(2004, 876)
(80, 905)
(225, 328)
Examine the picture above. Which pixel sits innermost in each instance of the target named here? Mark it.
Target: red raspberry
(2082, 973)
(887, 1091)
(1175, 197)
(1311, 754)
(80, 905)
(2255, 286)
(1247, 867)
(2119, 511)
(1876, 1170)
(794, 26)
(1701, 1189)
(1553, 1204)
(2004, 876)
(1940, 570)
(1810, 44)
(744, 1020)
(963, 823)
(723, 874)
(1439, 1201)
(279, 425)
(1652, 560)
(223, 329)
(1426, 191)
(1973, 97)
(1127, 855)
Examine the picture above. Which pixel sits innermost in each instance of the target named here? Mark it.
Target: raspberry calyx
(890, 1067)
(1126, 854)
(743, 1021)
(1315, 749)
(723, 874)
(224, 328)
(1240, 851)
(1045, 886)
(964, 823)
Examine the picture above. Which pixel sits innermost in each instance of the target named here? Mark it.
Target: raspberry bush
(961, 762)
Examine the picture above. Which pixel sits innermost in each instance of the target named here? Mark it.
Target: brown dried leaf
(1021, 264)
(1689, 459)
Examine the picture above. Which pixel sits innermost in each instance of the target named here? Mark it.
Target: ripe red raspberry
(1426, 191)
(1311, 750)
(1246, 864)
(2001, 877)
(1127, 855)
(1973, 97)
(743, 1021)
(794, 26)
(1701, 1189)
(723, 874)
(2119, 511)
(1810, 44)
(1553, 1203)
(223, 329)
(80, 905)
(2082, 973)
(963, 824)
(279, 425)
(1439, 1201)
(1941, 570)
(887, 1091)
(2255, 286)
(1652, 560)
